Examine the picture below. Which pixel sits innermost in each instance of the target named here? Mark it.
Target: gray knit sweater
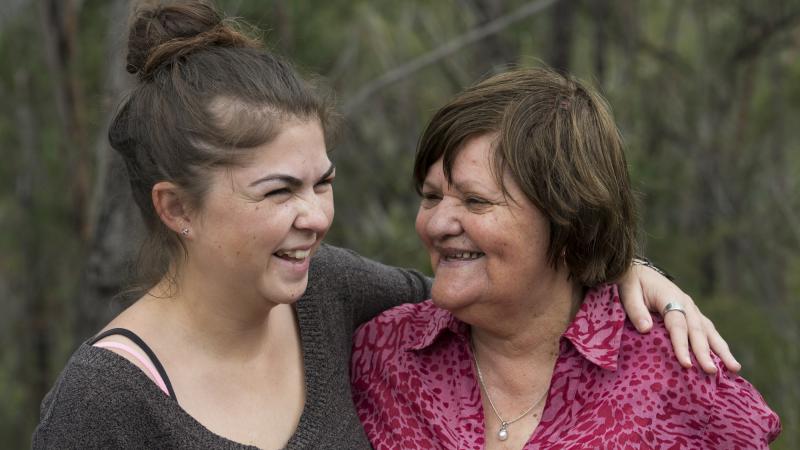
(101, 400)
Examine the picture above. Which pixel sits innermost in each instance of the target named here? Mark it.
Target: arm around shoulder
(370, 287)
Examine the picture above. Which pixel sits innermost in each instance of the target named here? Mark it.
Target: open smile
(465, 256)
(296, 260)
(459, 255)
(295, 256)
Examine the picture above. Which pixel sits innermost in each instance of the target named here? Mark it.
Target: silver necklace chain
(502, 433)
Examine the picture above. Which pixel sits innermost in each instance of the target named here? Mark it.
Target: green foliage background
(705, 93)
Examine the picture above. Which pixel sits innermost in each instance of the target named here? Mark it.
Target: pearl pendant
(503, 433)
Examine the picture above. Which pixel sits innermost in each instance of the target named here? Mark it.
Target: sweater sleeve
(740, 418)
(369, 286)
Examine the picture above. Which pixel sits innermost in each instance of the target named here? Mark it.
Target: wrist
(642, 261)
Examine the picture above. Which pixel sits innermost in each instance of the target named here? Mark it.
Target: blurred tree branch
(474, 35)
(759, 32)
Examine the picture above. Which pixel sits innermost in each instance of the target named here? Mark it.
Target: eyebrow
(460, 186)
(290, 180)
(470, 185)
(428, 185)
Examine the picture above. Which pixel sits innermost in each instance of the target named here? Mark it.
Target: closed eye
(328, 181)
(324, 185)
(430, 199)
(476, 201)
(278, 192)
(477, 204)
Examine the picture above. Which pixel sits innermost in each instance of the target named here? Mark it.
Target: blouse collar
(596, 331)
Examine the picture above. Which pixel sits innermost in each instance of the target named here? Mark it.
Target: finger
(720, 347)
(699, 341)
(678, 334)
(696, 336)
(633, 301)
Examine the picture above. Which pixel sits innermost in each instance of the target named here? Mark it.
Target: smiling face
(260, 222)
(485, 248)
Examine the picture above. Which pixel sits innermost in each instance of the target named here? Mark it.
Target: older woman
(527, 214)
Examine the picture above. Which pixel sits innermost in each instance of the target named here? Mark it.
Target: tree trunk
(600, 12)
(115, 222)
(495, 52)
(36, 347)
(59, 23)
(561, 46)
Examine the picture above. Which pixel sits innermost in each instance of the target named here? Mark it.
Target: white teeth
(294, 254)
(465, 255)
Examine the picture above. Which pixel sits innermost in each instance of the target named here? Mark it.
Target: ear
(170, 205)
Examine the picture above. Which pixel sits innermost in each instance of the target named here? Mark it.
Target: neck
(519, 347)
(527, 327)
(224, 324)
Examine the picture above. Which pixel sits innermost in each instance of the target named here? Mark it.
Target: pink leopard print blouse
(415, 388)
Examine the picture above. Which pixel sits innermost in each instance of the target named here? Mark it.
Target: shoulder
(90, 373)
(333, 266)
(401, 325)
(332, 258)
(331, 270)
(721, 407)
(336, 264)
(648, 360)
(392, 333)
(99, 398)
(333, 261)
(369, 286)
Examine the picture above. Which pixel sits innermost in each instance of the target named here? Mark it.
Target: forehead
(294, 140)
(476, 152)
(477, 166)
(472, 160)
(298, 150)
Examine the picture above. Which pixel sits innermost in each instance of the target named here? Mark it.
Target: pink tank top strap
(144, 360)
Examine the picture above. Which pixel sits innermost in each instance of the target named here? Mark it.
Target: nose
(315, 213)
(441, 221)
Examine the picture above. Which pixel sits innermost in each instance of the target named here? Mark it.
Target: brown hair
(207, 94)
(558, 139)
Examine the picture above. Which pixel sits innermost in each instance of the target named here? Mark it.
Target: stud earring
(185, 231)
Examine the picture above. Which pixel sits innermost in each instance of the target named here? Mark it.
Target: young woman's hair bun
(162, 32)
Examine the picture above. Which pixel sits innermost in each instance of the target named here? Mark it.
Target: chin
(294, 295)
(286, 294)
(451, 298)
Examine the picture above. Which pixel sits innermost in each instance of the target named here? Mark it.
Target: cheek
(420, 222)
(264, 224)
(528, 249)
(328, 207)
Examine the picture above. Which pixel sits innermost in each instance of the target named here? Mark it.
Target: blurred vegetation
(705, 92)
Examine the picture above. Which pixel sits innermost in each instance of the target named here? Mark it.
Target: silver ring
(673, 306)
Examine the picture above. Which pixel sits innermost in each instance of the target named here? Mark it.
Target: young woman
(226, 152)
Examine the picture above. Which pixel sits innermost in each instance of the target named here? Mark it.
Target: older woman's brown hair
(558, 139)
